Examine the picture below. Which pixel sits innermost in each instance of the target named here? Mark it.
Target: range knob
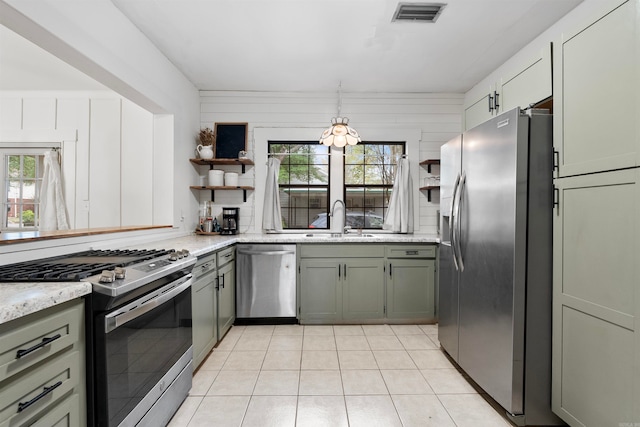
(185, 253)
(173, 256)
(120, 272)
(107, 276)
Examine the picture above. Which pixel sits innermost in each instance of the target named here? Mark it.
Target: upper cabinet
(520, 82)
(596, 94)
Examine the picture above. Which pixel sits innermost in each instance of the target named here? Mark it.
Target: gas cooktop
(75, 267)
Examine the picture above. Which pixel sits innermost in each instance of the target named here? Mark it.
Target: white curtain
(272, 215)
(399, 218)
(53, 214)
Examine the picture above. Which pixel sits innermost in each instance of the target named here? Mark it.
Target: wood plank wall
(437, 115)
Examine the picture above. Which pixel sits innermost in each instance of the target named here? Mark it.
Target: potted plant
(207, 139)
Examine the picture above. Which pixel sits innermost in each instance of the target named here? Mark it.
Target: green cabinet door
(321, 290)
(226, 297)
(410, 289)
(596, 247)
(363, 289)
(203, 298)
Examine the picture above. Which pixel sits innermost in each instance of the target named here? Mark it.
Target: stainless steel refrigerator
(495, 260)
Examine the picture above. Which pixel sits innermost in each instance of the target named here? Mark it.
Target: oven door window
(139, 352)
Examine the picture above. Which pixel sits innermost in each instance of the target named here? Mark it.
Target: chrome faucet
(345, 229)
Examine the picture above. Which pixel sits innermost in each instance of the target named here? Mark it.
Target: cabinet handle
(46, 390)
(345, 271)
(222, 284)
(44, 342)
(496, 96)
(339, 268)
(389, 269)
(411, 253)
(490, 103)
(217, 283)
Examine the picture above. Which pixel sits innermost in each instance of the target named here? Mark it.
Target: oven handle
(136, 309)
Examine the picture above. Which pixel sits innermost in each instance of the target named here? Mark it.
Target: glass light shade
(340, 134)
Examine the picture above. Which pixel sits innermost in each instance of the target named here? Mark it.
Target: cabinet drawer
(411, 251)
(24, 398)
(44, 333)
(205, 264)
(341, 250)
(226, 255)
(65, 414)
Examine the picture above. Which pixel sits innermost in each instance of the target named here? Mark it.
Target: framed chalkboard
(231, 138)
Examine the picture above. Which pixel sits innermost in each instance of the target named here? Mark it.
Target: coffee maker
(230, 217)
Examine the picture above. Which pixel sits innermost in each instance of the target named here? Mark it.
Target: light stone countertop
(21, 299)
(200, 245)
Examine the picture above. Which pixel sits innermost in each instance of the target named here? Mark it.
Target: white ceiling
(310, 45)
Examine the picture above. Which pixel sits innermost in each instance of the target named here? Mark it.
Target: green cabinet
(320, 290)
(226, 290)
(338, 289)
(596, 369)
(52, 376)
(363, 289)
(204, 308)
(341, 283)
(213, 301)
(410, 279)
(410, 289)
(595, 62)
(596, 233)
(347, 283)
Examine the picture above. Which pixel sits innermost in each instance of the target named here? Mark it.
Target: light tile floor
(369, 375)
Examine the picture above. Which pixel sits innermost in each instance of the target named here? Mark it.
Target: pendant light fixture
(340, 133)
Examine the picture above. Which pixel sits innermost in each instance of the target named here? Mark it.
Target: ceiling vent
(418, 12)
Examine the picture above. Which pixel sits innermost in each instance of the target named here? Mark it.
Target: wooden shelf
(244, 189)
(428, 189)
(227, 162)
(429, 162)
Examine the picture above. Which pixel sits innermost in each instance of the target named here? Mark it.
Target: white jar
(231, 179)
(216, 178)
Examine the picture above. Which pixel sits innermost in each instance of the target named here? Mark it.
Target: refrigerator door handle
(452, 219)
(463, 179)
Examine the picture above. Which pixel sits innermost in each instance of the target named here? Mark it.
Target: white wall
(426, 121)
(107, 157)
(97, 39)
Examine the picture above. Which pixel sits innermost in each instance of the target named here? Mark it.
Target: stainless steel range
(139, 334)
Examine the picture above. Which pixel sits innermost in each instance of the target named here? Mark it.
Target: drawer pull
(45, 391)
(44, 342)
(411, 253)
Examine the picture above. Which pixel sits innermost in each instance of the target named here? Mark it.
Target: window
(369, 171)
(304, 183)
(21, 170)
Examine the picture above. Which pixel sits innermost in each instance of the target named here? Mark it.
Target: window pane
(355, 198)
(354, 174)
(319, 174)
(29, 167)
(21, 182)
(303, 181)
(369, 174)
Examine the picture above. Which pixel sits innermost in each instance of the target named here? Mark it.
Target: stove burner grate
(75, 267)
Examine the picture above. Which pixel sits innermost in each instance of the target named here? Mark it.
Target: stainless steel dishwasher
(266, 284)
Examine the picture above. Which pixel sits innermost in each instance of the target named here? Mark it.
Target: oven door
(140, 349)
